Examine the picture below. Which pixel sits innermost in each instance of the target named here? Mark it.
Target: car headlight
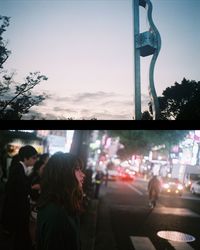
(180, 187)
(166, 185)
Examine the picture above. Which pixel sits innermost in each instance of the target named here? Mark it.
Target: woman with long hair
(60, 203)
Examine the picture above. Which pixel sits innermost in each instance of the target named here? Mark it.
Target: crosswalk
(144, 243)
(135, 189)
(175, 211)
(180, 245)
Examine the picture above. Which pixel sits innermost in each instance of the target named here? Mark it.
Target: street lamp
(145, 44)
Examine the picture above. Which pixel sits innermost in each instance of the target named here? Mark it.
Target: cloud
(120, 103)
(63, 109)
(100, 105)
(92, 96)
(112, 116)
(60, 99)
(85, 97)
(33, 114)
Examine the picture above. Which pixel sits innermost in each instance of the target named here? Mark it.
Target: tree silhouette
(16, 99)
(146, 116)
(141, 141)
(4, 52)
(191, 111)
(180, 101)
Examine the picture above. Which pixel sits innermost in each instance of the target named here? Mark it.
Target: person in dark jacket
(16, 210)
(98, 181)
(154, 186)
(60, 204)
(35, 178)
(44, 157)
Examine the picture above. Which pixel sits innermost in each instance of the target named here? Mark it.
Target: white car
(112, 174)
(195, 187)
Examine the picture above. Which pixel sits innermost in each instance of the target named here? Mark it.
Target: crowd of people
(50, 198)
(43, 208)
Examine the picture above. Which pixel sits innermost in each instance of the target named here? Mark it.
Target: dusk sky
(85, 48)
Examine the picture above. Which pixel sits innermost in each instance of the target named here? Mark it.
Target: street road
(125, 222)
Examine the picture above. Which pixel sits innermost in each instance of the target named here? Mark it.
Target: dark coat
(34, 194)
(154, 185)
(16, 208)
(56, 229)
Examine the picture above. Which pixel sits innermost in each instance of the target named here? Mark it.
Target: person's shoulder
(53, 214)
(16, 168)
(53, 210)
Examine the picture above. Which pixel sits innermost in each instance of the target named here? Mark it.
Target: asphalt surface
(126, 222)
(121, 220)
(88, 225)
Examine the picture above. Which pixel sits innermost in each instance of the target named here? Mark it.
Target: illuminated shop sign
(25, 131)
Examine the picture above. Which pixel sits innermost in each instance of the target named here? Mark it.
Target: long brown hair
(59, 184)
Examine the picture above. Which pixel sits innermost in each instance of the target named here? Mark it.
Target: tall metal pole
(135, 4)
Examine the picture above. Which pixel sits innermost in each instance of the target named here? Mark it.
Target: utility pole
(137, 61)
(145, 44)
(80, 144)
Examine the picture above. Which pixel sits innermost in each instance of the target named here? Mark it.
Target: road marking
(142, 243)
(184, 197)
(187, 197)
(175, 211)
(135, 189)
(180, 245)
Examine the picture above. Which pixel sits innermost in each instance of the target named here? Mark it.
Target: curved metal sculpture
(146, 43)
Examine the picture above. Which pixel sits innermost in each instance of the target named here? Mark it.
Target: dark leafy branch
(16, 98)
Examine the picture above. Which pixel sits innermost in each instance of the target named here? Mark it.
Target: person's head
(62, 181)
(28, 155)
(38, 167)
(44, 157)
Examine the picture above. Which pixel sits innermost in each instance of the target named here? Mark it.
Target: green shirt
(56, 229)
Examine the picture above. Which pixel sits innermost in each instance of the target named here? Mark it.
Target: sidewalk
(88, 226)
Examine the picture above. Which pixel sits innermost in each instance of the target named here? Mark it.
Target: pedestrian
(35, 179)
(44, 157)
(88, 185)
(60, 203)
(154, 186)
(98, 181)
(16, 209)
(3, 163)
(106, 177)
